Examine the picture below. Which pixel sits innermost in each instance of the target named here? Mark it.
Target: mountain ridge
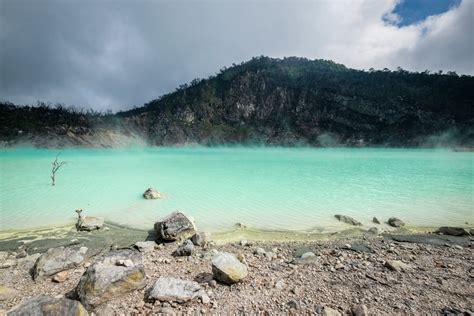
(290, 101)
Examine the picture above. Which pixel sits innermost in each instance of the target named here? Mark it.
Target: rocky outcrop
(109, 277)
(58, 259)
(152, 194)
(49, 306)
(175, 226)
(452, 231)
(176, 290)
(395, 222)
(348, 220)
(227, 269)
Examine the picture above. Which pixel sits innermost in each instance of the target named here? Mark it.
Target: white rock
(176, 290)
(228, 269)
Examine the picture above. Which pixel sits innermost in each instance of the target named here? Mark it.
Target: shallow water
(264, 188)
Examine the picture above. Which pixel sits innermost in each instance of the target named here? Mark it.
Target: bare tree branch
(56, 166)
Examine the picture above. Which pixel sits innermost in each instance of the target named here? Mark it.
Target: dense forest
(290, 101)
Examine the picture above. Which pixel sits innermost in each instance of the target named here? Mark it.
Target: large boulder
(395, 222)
(58, 259)
(176, 290)
(348, 220)
(49, 306)
(228, 269)
(175, 226)
(152, 194)
(89, 223)
(112, 275)
(452, 231)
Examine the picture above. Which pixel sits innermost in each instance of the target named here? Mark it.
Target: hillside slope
(295, 101)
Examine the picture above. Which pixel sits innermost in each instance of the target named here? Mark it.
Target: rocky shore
(175, 269)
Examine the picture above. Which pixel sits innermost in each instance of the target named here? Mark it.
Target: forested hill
(282, 102)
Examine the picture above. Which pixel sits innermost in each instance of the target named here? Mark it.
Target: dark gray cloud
(116, 54)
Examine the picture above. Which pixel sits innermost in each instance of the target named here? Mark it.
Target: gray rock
(452, 231)
(7, 293)
(175, 226)
(3, 255)
(200, 239)
(259, 251)
(58, 259)
(176, 290)
(21, 254)
(295, 304)
(186, 249)
(280, 284)
(307, 255)
(49, 306)
(360, 310)
(359, 247)
(397, 265)
(244, 242)
(89, 223)
(145, 246)
(152, 194)
(105, 280)
(8, 263)
(375, 220)
(348, 220)
(327, 311)
(373, 230)
(210, 254)
(395, 222)
(228, 269)
(430, 239)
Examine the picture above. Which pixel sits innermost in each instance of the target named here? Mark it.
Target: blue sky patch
(409, 12)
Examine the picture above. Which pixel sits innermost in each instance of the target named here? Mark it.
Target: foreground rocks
(228, 269)
(117, 273)
(152, 194)
(49, 306)
(58, 259)
(371, 274)
(175, 226)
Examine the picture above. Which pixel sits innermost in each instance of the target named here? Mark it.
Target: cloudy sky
(117, 54)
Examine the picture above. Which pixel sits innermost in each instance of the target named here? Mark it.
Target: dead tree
(56, 165)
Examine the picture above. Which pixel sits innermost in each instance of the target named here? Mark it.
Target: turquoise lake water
(268, 188)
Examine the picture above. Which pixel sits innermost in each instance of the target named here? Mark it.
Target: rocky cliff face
(297, 101)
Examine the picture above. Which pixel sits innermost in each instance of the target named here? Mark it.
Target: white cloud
(118, 54)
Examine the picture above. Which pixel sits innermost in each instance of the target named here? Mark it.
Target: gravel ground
(346, 276)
